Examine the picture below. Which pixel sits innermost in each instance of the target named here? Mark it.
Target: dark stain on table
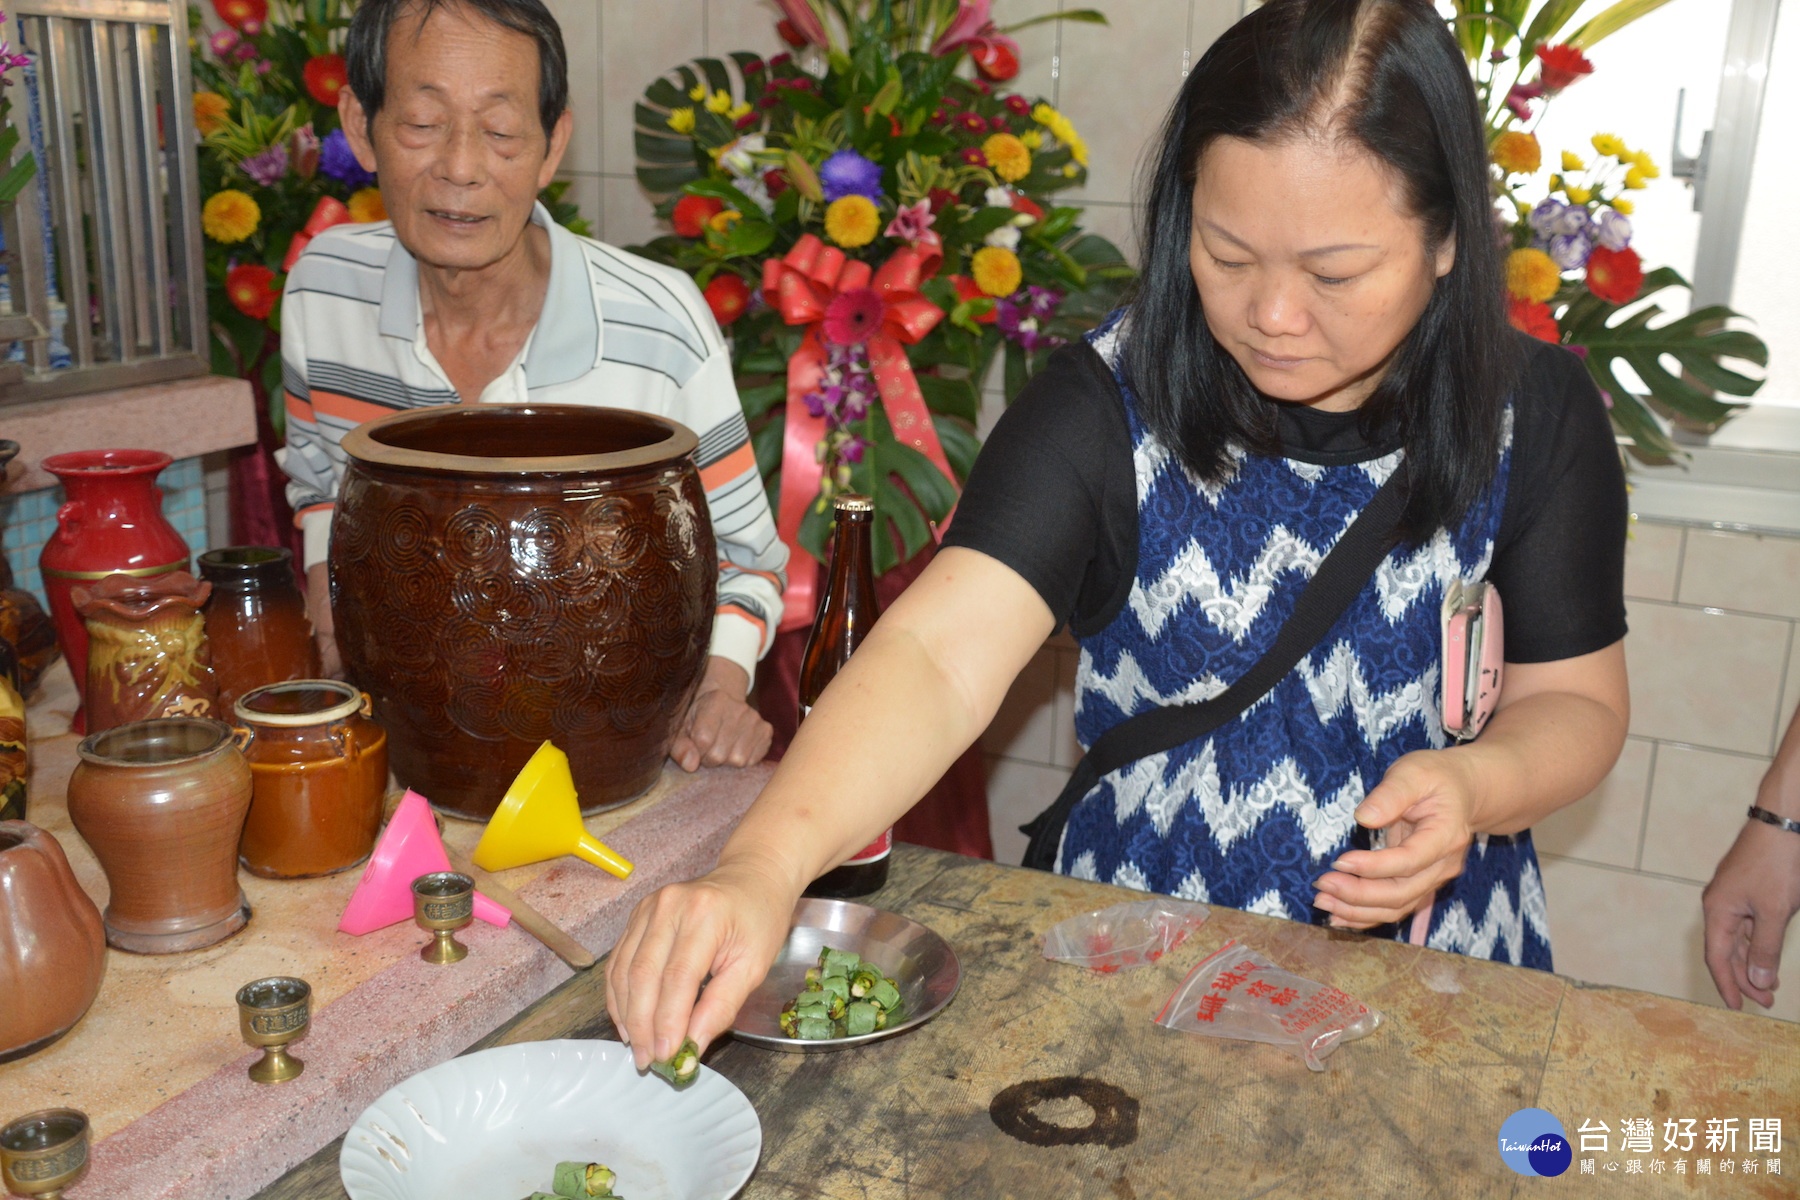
(1114, 1111)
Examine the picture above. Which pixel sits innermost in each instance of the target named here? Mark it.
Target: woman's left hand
(1425, 803)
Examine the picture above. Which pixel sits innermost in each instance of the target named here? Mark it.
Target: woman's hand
(729, 924)
(1752, 897)
(1425, 803)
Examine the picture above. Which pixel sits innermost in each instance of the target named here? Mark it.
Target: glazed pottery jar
(52, 945)
(112, 523)
(162, 803)
(147, 654)
(15, 760)
(503, 575)
(320, 767)
(256, 626)
(23, 623)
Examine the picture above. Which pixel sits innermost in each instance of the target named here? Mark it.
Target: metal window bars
(105, 279)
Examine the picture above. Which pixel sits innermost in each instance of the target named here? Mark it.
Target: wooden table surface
(1413, 1110)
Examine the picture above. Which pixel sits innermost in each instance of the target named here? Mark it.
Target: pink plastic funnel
(409, 847)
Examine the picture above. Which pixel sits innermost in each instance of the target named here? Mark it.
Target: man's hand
(721, 729)
(318, 610)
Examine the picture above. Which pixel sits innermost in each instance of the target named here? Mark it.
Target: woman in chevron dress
(1320, 309)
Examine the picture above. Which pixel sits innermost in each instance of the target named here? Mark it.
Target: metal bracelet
(1764, 815)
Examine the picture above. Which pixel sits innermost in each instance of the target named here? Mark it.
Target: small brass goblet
(44, 1152)
(442, 904)
(271, 1013)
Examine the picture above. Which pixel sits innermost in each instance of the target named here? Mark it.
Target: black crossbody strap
(1338, 581)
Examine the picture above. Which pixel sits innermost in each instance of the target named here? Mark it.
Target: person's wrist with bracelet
(1756, 889)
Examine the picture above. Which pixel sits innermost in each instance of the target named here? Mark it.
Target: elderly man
(473, 295)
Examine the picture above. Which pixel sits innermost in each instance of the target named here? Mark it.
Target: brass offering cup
(44, 1152)
(271, 1013)
(443, 903)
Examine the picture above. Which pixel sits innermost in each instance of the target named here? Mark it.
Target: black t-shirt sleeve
(1052, 493)
(1559, 559)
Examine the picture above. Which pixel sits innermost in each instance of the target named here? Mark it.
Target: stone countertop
(1413, 1110)
(157, 1062)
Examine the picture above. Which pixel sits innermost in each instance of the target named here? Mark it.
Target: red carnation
(1615, 276)
(775, 181)
(1559, 66)
(1533, 317)
(693, 212)
(973, 122)
(250, 290)
(940, 198)
(1018, 104)
(325, 77)
(997, 58)
(728, 296)
(241, 13)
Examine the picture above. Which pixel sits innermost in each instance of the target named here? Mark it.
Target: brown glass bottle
(847, 611)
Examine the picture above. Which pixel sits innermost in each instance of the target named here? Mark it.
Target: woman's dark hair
(1388, 75)
(366, 47)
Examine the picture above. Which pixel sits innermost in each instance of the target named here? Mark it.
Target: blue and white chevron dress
(1250, 815)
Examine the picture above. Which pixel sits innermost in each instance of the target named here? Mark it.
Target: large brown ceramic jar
(52, 945)
(147, 654)
(162, 803)
(257, 631)
(503, 575)
(320, 767)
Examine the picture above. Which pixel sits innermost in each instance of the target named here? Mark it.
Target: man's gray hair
(365, 51)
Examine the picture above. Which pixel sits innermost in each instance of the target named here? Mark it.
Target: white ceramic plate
(493, 1125)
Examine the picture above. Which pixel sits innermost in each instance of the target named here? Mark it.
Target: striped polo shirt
(616, 330)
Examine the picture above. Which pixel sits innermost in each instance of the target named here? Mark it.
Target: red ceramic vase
(112, 523)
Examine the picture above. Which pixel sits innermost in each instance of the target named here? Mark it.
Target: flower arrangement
(872, 223)
(14, 174)
(1572, 269)
(275, 168)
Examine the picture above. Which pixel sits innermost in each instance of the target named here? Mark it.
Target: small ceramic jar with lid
(321, 767)
(256, 623)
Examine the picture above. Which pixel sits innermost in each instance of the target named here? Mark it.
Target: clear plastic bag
(1125, 935)
(1237, 993)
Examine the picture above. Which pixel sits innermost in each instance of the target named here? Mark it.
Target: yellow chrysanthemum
(1070, 170)
(1062, 130)
(1572, 161)
(1032, 139)
(1623, 207)
(210, 111)
(697, 92)
(996, 271)
(1578, 195)
(1609, 143)
(682, 120)
(230, 216)
(1008, 156)
(852, 221)
(1532, 275)
(719, 102)
(1517, 153)
(1635, 179)
(723, 220)
(366, 205)
(1643, 162)
(739, 111)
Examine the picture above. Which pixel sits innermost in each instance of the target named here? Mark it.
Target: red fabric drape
(953, 815)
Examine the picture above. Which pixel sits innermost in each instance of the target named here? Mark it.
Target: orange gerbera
(1532, 275)
(210, 111)
(1559, 66)
(325, 77)
(245, 15)
(250, 288)
(1008, 156)
(1616, 276)
(366, 206)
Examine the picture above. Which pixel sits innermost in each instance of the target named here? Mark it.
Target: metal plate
(919, 961)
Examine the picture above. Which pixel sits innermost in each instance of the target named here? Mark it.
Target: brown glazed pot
(52, 945)
(503, 575)
(257, 630)
(162, 803)
(320, 767)
(147, 654)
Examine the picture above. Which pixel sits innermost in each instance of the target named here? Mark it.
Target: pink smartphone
(1474, 657)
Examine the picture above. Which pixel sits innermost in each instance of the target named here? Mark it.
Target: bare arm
(318, 608)
(1756, 890)
(915, 695)
(1556, 733)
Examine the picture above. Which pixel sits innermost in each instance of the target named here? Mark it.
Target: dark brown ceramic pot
(52, 945)
(503, 575)
(321, 767)
(162, 803)
(257, 631)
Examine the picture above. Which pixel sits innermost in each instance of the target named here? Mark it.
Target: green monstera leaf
(668, 161)
(1698, 342)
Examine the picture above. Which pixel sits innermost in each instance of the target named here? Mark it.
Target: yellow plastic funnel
(540, 818)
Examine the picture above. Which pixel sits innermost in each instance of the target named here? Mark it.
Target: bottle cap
(850, 502)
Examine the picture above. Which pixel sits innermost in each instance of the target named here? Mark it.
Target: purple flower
(1519, 97)
(337, 160)
(852, 449)
(1615, 230)
(223, 42)
(267, 166)
(1570, 250)
(1545, 218)
(1021, 316)
(1575, 218)
(848, 173)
